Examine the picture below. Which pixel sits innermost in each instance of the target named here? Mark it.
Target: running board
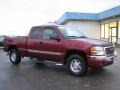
(44, 61)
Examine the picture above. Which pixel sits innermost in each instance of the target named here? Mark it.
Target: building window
(109, 31)
(113, 24)
(106, 31)
(102, 31)
(119, 29)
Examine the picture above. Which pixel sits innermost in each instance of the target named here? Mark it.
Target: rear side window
(35, 33)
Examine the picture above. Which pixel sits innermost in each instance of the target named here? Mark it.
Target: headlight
(97, 51)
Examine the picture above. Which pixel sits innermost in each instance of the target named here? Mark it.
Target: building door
(113, 34)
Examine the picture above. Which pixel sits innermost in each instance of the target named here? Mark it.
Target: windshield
(71, 32)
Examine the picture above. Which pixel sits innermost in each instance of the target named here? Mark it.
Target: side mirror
(54, 38)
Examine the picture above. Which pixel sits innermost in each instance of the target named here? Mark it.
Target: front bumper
(100, 61)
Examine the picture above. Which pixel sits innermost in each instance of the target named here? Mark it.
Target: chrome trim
(44, 52)
(75, 65)
(109, 47)
(107, 58)
(52, 62)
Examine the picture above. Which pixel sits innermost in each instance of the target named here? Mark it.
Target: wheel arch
(12, 47)
(71, 52)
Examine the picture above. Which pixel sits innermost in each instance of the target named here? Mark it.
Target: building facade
(104, 25)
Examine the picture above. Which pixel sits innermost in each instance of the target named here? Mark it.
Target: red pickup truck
(63, 44)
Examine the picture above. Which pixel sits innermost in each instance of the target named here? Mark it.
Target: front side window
(35, 33)
(48, 33)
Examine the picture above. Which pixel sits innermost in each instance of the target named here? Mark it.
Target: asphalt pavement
(29, 75)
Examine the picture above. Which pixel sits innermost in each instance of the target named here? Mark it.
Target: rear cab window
(35, 33)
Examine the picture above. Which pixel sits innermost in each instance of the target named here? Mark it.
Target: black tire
(77, 65)
(14, 56)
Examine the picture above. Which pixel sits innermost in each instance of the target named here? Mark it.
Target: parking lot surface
(29, 75)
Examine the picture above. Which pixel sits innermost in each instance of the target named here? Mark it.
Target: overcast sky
(18, 16)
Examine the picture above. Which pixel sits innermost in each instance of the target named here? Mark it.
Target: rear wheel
(14, 56)
(77, 65)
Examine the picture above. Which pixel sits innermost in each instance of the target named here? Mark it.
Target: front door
(113, 35)
(51, 49)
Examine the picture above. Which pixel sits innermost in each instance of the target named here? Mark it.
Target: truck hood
(97, 42)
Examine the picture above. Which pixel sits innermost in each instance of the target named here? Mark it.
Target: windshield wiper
(82, 37)
(72, 37)
(76, 36)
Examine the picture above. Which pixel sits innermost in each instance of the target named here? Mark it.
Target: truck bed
(19, 41)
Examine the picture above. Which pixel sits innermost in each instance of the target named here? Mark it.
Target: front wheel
(14, 56)
(77, 65)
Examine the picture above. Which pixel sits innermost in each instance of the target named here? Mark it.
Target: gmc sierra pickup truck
(62, 44)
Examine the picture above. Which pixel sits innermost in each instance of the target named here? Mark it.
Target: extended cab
(63, 44)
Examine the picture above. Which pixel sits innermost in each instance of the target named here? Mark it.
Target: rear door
(33, 42)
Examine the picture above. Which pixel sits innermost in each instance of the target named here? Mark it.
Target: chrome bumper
(107, 58)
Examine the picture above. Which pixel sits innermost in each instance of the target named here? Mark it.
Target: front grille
(109, 50)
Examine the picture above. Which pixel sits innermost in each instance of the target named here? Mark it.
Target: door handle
(41, 42)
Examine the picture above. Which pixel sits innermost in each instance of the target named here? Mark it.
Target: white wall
(109, 20)
(89, 28)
